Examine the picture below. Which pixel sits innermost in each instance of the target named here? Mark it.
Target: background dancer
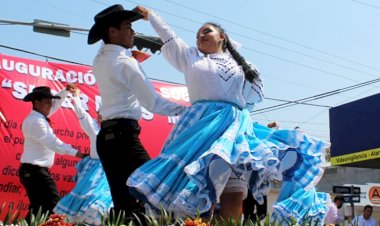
(90, 199)
(40, 147)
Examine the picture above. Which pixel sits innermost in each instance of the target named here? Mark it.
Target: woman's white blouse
(88, 124)
(208, 77)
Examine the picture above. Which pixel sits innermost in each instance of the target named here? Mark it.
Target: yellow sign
(355, 157)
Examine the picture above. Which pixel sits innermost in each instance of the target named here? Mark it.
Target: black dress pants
(121, 152)
(40, 187)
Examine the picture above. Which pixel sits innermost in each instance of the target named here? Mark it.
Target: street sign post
(351, 195)
(351, 198)
(346, 190)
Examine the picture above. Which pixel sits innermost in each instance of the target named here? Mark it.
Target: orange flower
(196, 222)
(56, 220)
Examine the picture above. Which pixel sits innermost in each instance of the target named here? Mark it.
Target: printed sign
(18, 76)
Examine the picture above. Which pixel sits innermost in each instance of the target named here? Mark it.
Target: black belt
(32, 166)
(118, 122)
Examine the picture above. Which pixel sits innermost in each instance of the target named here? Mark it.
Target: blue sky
(302, 48)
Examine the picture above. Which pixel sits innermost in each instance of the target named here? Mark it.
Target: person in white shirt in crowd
(124, 89)
(215, 153)
(366, 218)
(333, 216)
(40, 147)
(90, 199)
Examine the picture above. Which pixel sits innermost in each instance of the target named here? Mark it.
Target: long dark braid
(250, 74)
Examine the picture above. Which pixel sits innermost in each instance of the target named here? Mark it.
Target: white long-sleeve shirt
(214, 76)
(41, 143)
(88, 124)
(124, 87)
(361, 221)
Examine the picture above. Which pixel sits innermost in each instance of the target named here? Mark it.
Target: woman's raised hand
(143, 11)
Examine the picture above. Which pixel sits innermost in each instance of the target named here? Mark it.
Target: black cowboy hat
(102, 21)
(39, 93)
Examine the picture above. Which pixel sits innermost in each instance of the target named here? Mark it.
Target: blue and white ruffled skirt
(210, 141)
(91, 198)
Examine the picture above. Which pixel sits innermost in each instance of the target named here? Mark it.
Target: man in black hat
(124, 88)
(40, 147)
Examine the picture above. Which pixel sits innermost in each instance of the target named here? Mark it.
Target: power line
(253, 29)
(313, 117)
(272, 35)
(323, 111)
(84, 34)
(302, 65)
(266, 43)
(307, 55)
(287, 60)
(357, 95)
(236, 24)
(82, 31)
(62, 9)
(316, 97)
(267, 76)
(366, 4)
(142, 37)
(281, 106)
(260, 52)
(297, 102)
(72, 62)
(100, 2)
(45, 56)
(288, 102)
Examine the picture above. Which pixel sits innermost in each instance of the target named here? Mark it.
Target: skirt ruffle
(304, 207)
(90, 198)
(307, 172)
(298, 197)
(210, 141)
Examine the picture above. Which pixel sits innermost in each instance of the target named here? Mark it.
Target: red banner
(18, 76)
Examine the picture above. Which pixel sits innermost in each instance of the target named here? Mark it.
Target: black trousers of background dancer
(40, 187)
(249, 212)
